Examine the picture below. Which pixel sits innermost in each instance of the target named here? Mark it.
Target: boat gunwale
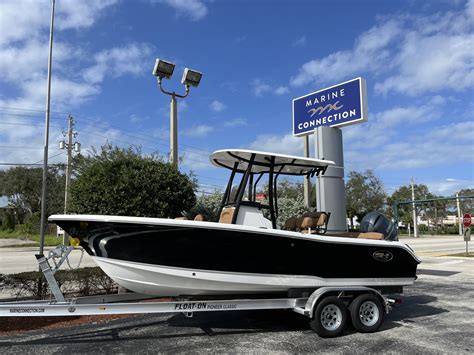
(326, 238)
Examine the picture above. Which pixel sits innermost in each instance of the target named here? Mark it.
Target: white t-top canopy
(282, 163)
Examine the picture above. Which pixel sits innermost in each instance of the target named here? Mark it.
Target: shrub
(80, 282)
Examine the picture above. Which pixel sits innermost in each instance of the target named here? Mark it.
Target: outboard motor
(377, 222)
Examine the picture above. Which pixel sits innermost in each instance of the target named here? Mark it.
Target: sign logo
(339, 105)
(382, 256)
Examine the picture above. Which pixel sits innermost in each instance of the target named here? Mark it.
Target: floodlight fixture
(191, 77)
(163, 69)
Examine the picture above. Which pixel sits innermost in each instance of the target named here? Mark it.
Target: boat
(245, 252)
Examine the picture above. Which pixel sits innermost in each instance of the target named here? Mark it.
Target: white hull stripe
(169, 281)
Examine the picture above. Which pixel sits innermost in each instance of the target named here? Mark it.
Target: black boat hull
(186, 247)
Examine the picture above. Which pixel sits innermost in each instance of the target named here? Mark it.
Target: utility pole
(415, 222)
(458, 205)
(68, 162)
(44, 193)
(307, 181)
(69, 146)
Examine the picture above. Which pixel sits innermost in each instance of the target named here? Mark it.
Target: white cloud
(26, 61)
(195, 161)
(408, 54)
(300, 42)
(381, 126)
(24, 53)
(282, 90)
(286, 144)
(137, 119)
(449, 187)
(217, 106)
(29, 132)
(73, 14)
(130, 59)
(24, 20)
(193, 9)
(238, 122)
(241, 39)
(438, 146)
(77, 75)
(199, 131)
(260, 88)
(368, 52)
(429, 63)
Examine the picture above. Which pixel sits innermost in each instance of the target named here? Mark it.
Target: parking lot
(436, 315)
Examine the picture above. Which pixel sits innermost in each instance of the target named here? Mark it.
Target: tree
(208, 206)
(290, 200)
(434, 211)
(404, 194)
(118, 181)
(364, 193)
(467, 205)
(23, 186)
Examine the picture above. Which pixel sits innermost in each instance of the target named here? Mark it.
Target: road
(21, 259)
(434, 317)
(437, 244)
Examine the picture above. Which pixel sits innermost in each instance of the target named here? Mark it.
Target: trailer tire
(330, 317)
(367, 313)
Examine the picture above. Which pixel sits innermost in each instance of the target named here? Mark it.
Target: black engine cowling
(377, 222)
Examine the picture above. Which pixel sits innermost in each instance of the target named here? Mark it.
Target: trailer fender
(320, 293)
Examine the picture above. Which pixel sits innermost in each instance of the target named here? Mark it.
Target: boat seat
(290, 224)
(313, 222)
(199, 217)
(226, 215)
(371, 235)
(366, 235)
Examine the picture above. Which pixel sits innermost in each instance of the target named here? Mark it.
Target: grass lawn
(49, 240)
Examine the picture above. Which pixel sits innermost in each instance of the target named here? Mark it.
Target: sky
(417, 58)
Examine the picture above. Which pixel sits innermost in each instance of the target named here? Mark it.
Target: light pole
(44, 192)
(164, 69)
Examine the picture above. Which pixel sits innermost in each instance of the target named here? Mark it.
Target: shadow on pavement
(210, 324)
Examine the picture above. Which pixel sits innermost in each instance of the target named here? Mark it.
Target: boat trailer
(327, 308)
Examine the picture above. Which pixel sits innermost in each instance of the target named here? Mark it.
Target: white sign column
(330, 191)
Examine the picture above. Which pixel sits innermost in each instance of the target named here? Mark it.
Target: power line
(18, 147)
(153, 139)
(106, 124)
(39, 162)
(26, 124)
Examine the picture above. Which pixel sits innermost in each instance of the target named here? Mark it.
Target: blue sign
(339, 105)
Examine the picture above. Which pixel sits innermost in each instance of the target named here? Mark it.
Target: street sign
(466, 220)
(467, 235)
(339, 105)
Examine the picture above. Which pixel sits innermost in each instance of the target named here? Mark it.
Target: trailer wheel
(330, 317)
(367, 313)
